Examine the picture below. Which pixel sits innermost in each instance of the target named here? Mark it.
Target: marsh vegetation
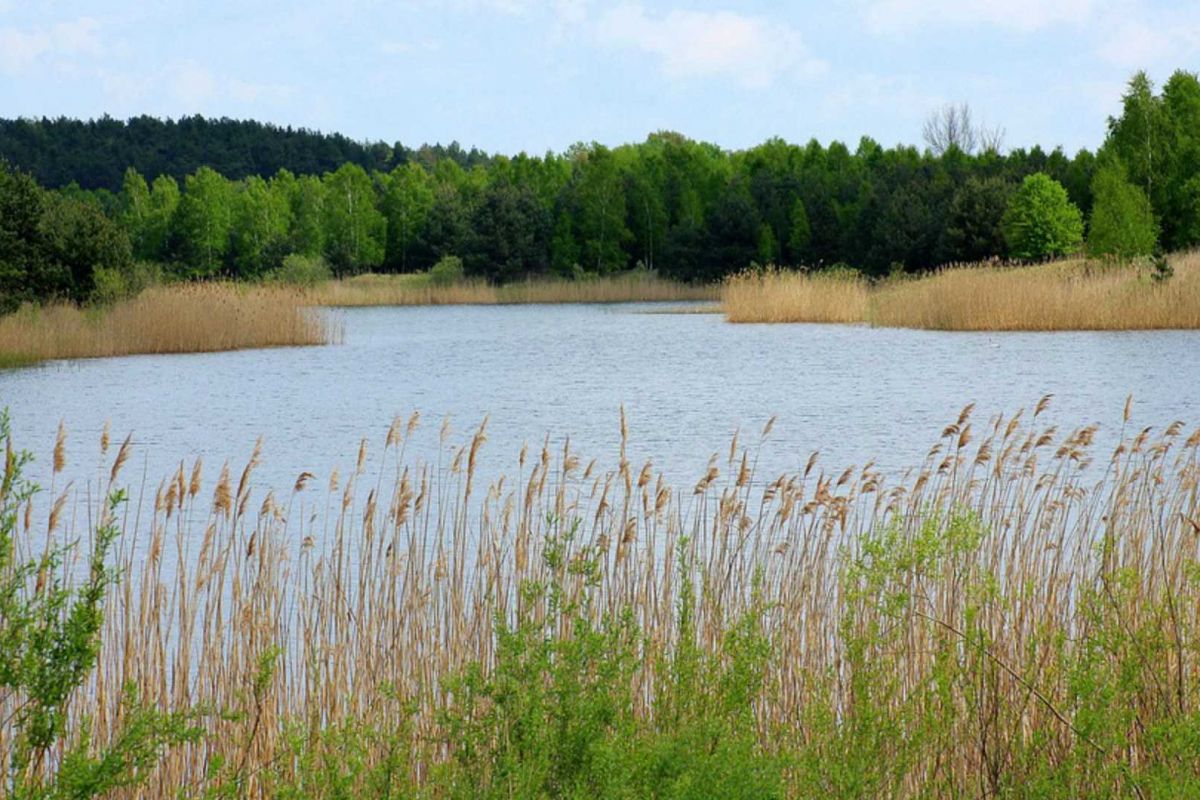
(1013, 616)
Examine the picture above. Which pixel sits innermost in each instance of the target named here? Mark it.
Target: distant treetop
(95, 153)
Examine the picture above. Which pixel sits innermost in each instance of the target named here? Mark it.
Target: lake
(687, 382)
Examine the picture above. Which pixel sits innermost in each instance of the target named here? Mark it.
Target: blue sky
(511, 75)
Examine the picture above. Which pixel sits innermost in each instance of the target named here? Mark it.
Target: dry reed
(1066, 295)
(418, 290)
(397, 578)
(780, 296)
(184, 318)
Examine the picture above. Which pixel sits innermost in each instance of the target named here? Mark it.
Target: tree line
(686, 209)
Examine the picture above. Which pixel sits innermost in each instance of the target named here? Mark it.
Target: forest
(82, 202)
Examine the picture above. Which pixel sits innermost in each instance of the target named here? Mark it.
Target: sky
(538, 75)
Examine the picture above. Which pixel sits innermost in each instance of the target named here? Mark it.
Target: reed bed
(781, 296)
(182, 318)
(418, 290)
(1067, 295)
(1015, 615)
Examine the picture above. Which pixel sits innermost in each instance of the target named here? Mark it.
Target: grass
(181, 318)
(1015, 616)
(1067, 295)
(419, 289)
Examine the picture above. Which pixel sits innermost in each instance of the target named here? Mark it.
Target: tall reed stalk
(1015, 615)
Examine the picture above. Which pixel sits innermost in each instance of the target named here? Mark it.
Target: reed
(1005, 618)
(418, 290)
(181, 318)
(1068, 295)
(781, 296)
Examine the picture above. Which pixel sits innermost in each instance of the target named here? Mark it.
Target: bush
(1041, 221)
(447, 271)
(113, 284)
(300, 270)
(49, 644)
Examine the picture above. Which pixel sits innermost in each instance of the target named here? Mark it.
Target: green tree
(408, 198)
(354, 228)
(508, 234)
(155, 239)
(25, 273)
(78, 238)
(598, 192)
(974, 231)
(203, 222)
(306, 197)
(801, 233)
(135, 209)
(1041, 221)
(261, 221)
(1122, 222)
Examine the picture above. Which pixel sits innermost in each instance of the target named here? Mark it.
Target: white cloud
(1166, 40)
(189, 88)
(22, 48)
(903, 16)
(701, 44)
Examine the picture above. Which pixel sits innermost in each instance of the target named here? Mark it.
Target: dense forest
(94, 154)
(224, 198)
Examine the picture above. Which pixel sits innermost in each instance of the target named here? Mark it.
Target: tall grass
(780, 296)
(1067, 295)
(182, 318)
(1014, 616)
(403, 290)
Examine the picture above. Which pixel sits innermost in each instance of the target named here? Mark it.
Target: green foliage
(112, 285)
(298, 270)
(1122, 223)
(49, 644)
(1157, 139)
(685, 209)
(447, 271)
(555, 716)
(353, 228)
(801, 233)
(1041, 221)
(203, 221)
(975, 232)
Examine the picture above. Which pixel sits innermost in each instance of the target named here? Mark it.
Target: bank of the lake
(1067, 295)
(1072, 294)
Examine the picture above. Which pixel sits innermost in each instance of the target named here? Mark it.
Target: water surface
(687, 382)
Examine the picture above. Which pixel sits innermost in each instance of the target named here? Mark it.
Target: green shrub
(114, 284)
(447, 271)
(301, 270)
(49, 644)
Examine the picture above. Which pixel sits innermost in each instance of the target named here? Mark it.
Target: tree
(25, 273)
(354, 228)
(306, 196)
(508, 235)
(974, 231)
(801, 233)
(599, 203)
(135, 209)
(155, 238)
(1122, 222)
(203, 221)
(261, 221)
(76, 236)
(1041, 221)
(407, 200)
